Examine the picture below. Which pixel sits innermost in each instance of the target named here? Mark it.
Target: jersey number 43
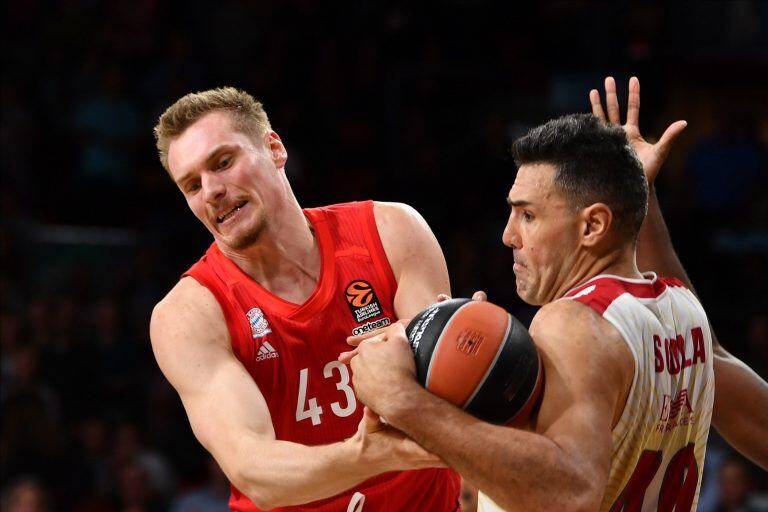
(308, 408)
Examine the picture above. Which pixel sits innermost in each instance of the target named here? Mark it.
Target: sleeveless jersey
(660, 439)
(291, 353)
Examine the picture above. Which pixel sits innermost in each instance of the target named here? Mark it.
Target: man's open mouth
(221, 218)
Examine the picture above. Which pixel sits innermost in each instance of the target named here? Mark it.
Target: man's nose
(510, 237)
(213, 188)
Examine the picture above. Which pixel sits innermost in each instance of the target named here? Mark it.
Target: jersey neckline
(320, 295)
(649, 286)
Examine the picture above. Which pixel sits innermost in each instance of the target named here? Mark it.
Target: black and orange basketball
(477, 356)
(359, 293)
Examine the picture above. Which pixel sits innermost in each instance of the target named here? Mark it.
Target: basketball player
(250, 335)
(740, 421)
(625, 412)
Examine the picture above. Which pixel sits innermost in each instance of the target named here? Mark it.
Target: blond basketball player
(625, 413)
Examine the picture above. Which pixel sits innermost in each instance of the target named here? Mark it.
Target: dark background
(390, 101)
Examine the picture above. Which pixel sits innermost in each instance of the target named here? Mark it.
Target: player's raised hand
(652, 156)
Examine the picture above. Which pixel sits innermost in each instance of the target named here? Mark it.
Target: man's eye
(224, 162)
(527, 216)
(193, 187)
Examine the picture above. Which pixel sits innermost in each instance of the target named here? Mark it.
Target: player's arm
(741, 422)
(230, 418)
(564, 464)
(414, 255)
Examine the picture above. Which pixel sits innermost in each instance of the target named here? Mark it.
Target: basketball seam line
(493, 363)
(539, 376)
(440, 339)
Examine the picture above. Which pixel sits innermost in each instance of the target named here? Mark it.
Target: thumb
(669, 136)
(371, 420)
(480, 295)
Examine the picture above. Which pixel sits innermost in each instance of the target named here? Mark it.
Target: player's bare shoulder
(584, 350)
(188, 316)
(403, 232)
(570, 322)
(398, 219)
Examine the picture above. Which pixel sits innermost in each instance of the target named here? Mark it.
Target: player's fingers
(359, 338)
(612, 101)
(669, 136)
(443, 297)
(633, 102)
(480, 295)
(597, 105)
(381, 338)
(346, 357)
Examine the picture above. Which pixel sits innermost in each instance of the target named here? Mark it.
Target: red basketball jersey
(291, 353)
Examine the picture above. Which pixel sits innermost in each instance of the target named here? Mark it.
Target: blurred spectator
(737, 489)
(212, 496)
(25, 495)
(724, 166)
(109, 126)
(32, 440)
(128, 451)
(134, 492)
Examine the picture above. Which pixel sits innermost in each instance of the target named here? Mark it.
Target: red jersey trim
(599, 292)
(320, 296)
(379, 255)
(230, 313)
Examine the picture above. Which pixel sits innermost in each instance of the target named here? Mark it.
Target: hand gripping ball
(477, 356)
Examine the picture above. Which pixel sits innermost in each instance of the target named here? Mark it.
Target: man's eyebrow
(518, 203)
(213, 154)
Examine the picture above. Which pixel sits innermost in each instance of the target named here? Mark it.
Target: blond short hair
(247, 114)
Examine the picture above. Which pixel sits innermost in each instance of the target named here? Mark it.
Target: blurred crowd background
(401, 101)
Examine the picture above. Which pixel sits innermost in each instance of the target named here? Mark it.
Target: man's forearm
(654, 246)
(282, 473)
(741, 407)
(519, 470)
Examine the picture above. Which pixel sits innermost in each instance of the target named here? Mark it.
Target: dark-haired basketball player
(250, 336)
(741, 422)
(626, 408)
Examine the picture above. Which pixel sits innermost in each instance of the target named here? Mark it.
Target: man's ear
(596, 221)
(276, 149)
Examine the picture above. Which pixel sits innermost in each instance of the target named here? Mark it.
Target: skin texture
(562, 463)
(269, 238)
(740, 422)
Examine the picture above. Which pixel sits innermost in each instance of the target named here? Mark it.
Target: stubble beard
(251, 236)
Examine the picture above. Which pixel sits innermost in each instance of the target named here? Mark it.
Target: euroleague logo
(362, 300)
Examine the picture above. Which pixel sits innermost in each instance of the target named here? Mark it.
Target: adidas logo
(266, 351)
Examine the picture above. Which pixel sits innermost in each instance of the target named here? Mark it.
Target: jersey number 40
(678, 488)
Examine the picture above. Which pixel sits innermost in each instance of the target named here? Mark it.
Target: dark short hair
(594, 164)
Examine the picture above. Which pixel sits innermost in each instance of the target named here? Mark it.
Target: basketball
(478, 357)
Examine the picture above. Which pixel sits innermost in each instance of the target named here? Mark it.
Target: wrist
(403, 403)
